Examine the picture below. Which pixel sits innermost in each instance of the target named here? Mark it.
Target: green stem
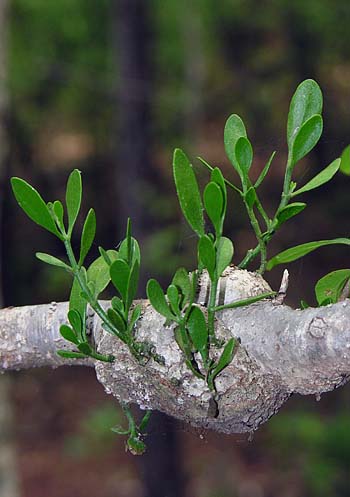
(92, 301)
(258, 233)
(285, 198)
(211, 309)
(131, 422)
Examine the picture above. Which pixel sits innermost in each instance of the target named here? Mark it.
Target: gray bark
(282, 351)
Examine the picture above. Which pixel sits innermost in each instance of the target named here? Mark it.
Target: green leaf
(99, 274)
(225, 359)
(264, 171)
(85, 348)
(298, 251)
(156, 297)
(117, 320)
(70, 355)
(321, 178)
(120, 272)
(133, 283)
(289, 211)
(88, 235)
(234, 129)
(182, 280)
(58, 211)
(76, 322)
(68, 334)
(120, 430)
(244, 302)
(53, 261)
(188, 192)
(76, 301)
(106, 257)
(173, 298)
(118, 305)
(250, 197)
(33, 205)
(73, 198)
(214, 205)
(244, 155)
(345, 161)
(306, 138)
(217, 177)
(135, 254)
(224, 255)
(135, 315)
(198, 330)
(206, 254)
(331, 286)
(305, 103)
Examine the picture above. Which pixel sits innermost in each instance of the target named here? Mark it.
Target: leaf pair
(238, 148)
(76, 334)
(304, 126)
(125, 278)
(215, 257)
(50, 216)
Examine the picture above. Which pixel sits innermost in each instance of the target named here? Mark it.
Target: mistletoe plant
(194, 325)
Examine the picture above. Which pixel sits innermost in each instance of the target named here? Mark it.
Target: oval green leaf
(68, 334)
(198, 330)
(224, 254)
(53, 261)
(206, 255)
(98, 272)
(88, 235)
(188, 192)
(306, 138)
(73, 197)
(156, 297)
(217, 177)
(345, 161)
(244, 155)
(321, 178)
(225, 358)
(76, 322)
(182, 280)
(70, 355)
(120, 273)
(173, 298)
(298, 251)
(234, 129)
(58, 210)
(214, 206)
(33, 205)
(264, 172)
(331, 286)
(117, 320)
(305, 103)
(289, 211)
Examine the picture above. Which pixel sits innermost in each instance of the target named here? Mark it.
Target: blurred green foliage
(317, 446)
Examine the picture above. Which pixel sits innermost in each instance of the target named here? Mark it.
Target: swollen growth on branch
(217, 348)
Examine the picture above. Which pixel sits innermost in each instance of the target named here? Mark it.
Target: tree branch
(282, 351)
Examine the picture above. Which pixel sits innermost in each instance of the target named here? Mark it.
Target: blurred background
(111, 87)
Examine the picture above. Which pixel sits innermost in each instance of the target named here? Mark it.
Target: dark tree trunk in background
(133, 138)
(134, 176)
(8, 474)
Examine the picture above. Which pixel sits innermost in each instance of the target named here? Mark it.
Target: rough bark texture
(282, 351)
